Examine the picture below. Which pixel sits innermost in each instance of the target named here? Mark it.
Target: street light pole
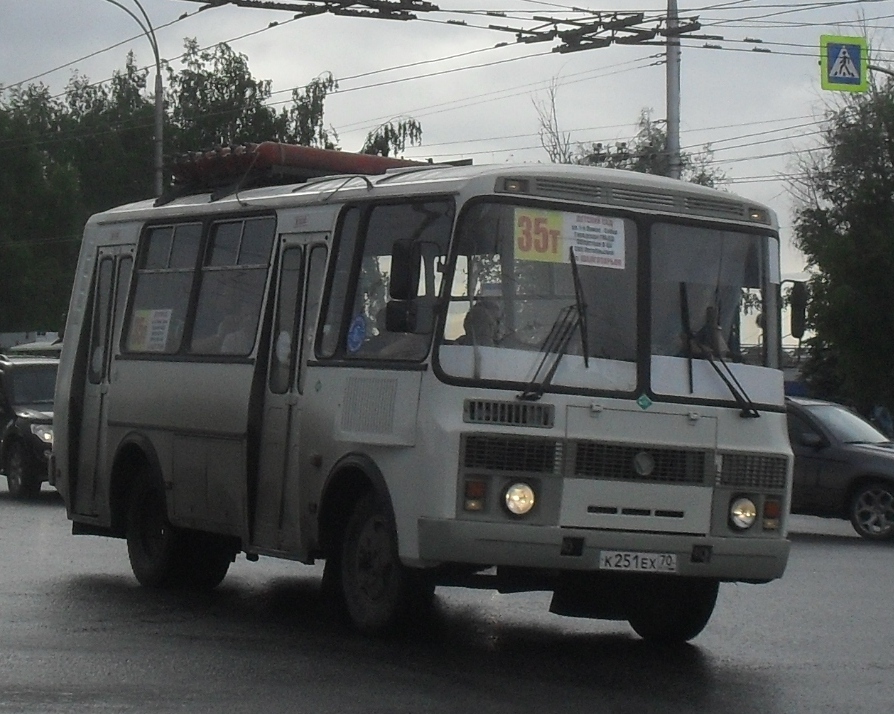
(149, 31)
(673, 90)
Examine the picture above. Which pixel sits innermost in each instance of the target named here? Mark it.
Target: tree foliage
(646, 152)
(63, 158)
(845, 228)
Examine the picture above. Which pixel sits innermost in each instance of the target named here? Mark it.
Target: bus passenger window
(163, 286)
(232, 287)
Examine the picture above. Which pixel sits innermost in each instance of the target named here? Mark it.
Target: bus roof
(563, 182)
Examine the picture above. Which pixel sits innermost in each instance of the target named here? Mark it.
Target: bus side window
(400, 328)
(232, 287)
(164, 283)
(339, 283)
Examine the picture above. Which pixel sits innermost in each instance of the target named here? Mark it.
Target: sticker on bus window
(547, 236)
(149, 330)
(356, 333)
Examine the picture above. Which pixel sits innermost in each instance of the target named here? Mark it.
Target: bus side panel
(196, 416)
(70, 382)
(369, 412)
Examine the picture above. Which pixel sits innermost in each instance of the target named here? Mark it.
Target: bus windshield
(710, 285)
(513, 284)
(512, 287)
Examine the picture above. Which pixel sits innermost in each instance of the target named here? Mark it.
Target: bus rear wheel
(379, 594)
(206, 560)
(164, 556)
(154, 546)
(673, 609)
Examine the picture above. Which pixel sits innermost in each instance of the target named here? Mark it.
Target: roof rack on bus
(228, 169)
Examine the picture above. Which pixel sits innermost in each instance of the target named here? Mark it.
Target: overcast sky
(475, 96)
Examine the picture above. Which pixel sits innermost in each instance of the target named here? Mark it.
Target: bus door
(111, 279)
(302, 267)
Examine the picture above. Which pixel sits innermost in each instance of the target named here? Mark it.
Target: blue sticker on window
(356, 333)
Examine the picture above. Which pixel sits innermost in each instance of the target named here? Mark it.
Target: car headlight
(44, 432)
(742, 513)
(519, 498)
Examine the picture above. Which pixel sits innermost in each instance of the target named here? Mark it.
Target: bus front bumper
(737, 559)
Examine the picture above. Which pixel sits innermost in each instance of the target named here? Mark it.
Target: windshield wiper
(567, 321)
(709, 347)
(581, 307)
(556, 342)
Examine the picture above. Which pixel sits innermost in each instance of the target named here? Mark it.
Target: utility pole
(673, 90)
(149, 31)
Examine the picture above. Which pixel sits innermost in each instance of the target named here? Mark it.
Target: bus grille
(645, 199)
(563, 188)
(508, 453)
(753, 471)
(610, 461)
(714, 207)
(482, 411)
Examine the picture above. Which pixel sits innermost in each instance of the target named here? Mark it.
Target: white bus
(517, 377)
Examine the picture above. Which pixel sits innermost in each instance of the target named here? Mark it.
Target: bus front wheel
(672, 609)
(379, 593)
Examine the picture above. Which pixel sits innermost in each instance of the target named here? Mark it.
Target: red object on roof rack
(275, 162)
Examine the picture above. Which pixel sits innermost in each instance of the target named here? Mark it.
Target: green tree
(646, 152)
(845, 228)
(39, 213)
(392, 137)
(107, 137)
(215, 101)
(63, 159)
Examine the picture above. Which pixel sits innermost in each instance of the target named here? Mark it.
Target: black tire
(673, 609)
(154, 546)
(21, 479)
(872, 510)
(206, 559)
(378, 593)
(165, 556)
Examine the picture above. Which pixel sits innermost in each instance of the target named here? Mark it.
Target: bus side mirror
(415, 316)
(405, 260)
(798, 304)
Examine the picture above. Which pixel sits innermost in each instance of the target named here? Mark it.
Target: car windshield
(846, 425)
(33, 385)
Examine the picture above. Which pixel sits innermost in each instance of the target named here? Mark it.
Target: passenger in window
(481, 325)
(239, 331)
(235, 334)
(393, 345)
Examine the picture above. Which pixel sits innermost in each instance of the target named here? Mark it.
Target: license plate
(639, 562)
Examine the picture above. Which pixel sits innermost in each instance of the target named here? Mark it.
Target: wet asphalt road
(78, 635)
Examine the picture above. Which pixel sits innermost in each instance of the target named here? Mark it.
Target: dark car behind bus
(844, 467)
(26, 421)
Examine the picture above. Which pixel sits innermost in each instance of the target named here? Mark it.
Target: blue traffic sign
(844, 62)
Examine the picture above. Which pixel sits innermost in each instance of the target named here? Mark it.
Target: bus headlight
(519, 498)
(742, 513)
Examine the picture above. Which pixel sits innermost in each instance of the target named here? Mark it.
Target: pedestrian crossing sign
(845, 63)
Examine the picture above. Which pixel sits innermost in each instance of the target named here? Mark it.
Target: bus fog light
(772, 514)
(519, 498)
(742, 513)
(475, 495)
